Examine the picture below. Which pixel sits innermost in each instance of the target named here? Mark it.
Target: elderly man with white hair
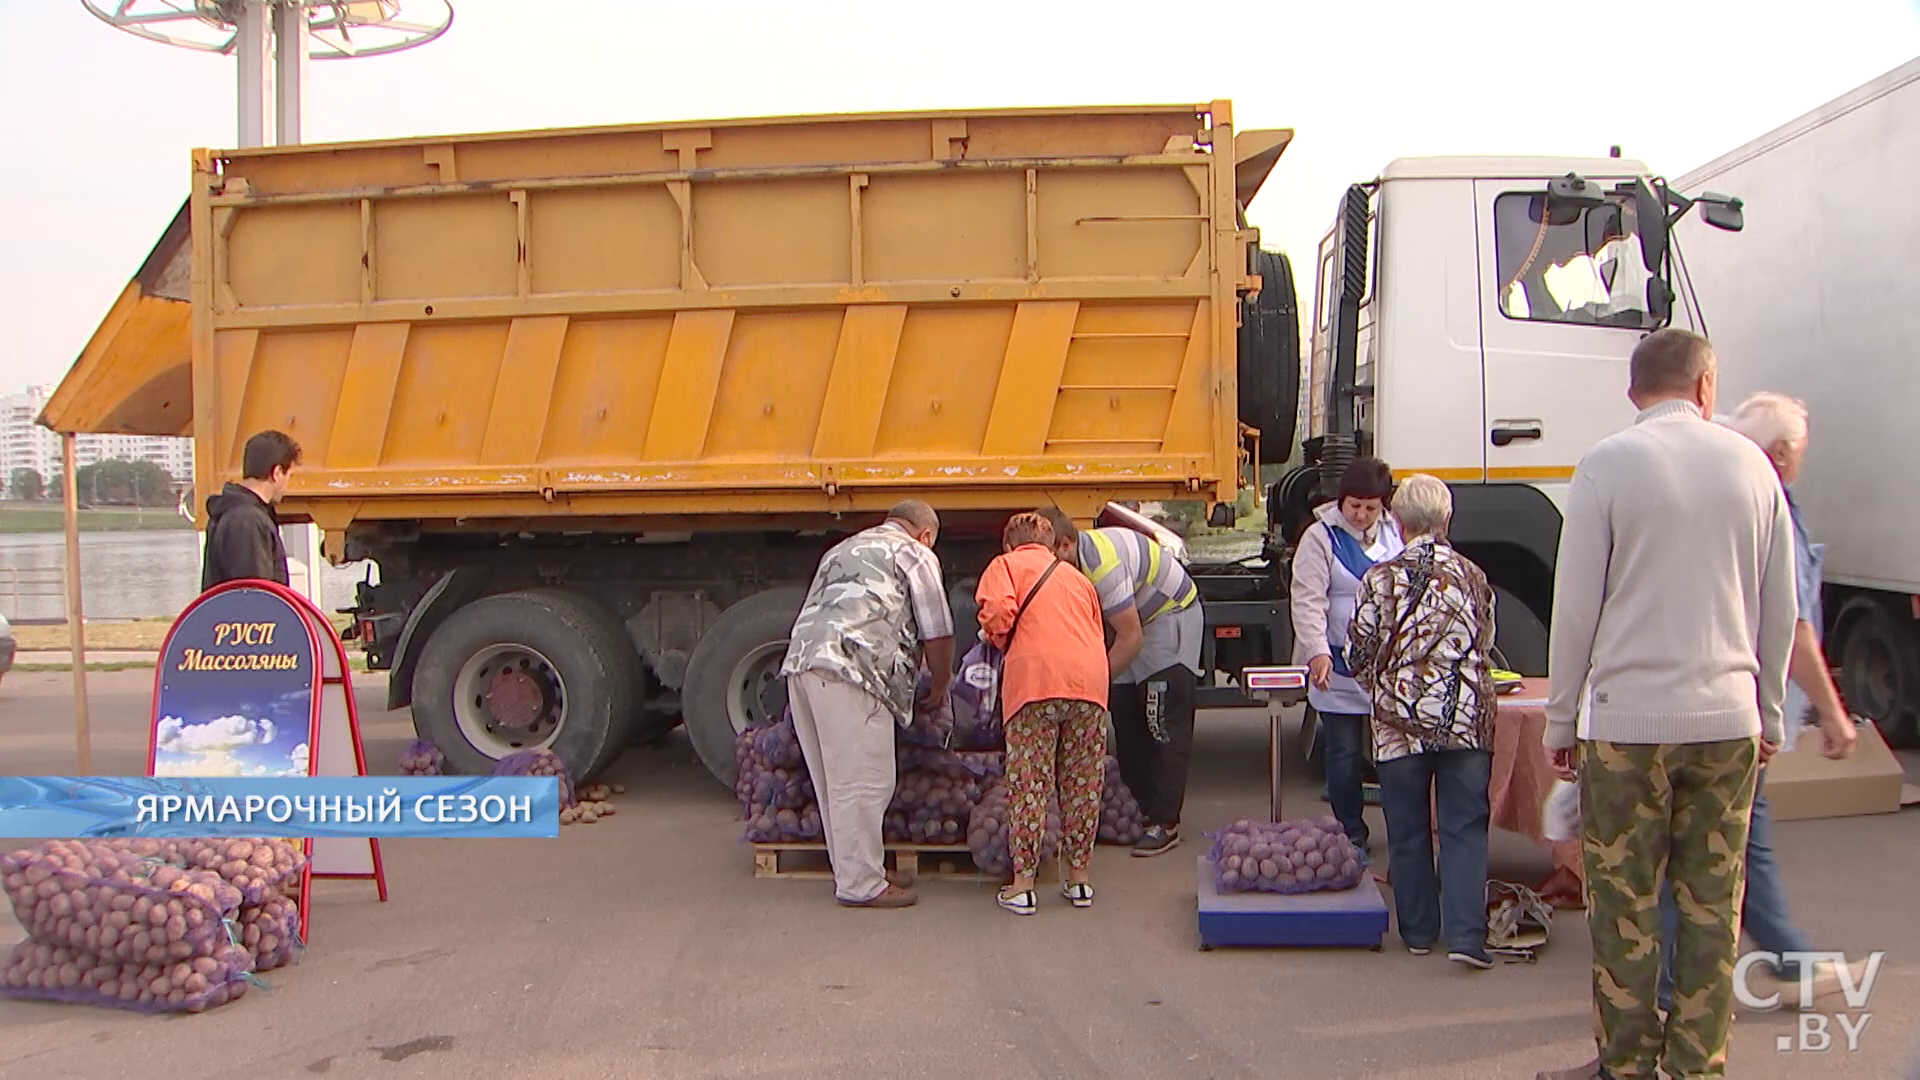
(1778, 425)
(1419, 642)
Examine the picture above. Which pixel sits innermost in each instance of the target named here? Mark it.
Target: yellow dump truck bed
(757, 317)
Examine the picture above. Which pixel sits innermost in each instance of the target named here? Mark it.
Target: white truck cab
(1473, 320)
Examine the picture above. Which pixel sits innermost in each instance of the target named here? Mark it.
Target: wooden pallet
(808, 862)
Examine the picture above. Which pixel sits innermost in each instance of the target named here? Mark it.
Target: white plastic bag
(1560, 816)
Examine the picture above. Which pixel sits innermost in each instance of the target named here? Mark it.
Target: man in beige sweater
(1674, 607)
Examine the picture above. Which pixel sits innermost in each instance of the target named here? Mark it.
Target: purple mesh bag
(257, 867)
(116, 905)
(1121, 821)
(1284, 857)
(987, 832)
(932, 725)
(422, 758)
(538, 763)
(778, 744)
(270, 932)
(35, 971)
(932, 805)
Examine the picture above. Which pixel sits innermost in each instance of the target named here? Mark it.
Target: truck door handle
(1502, 436)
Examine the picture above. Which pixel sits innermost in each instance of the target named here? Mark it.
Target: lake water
(155, 573)
(123, 575)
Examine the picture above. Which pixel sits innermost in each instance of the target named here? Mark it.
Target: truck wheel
(1519, 635)
(733, 677)
(1880, 669)
(535, 669)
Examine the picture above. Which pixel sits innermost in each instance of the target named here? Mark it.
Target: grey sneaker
(1473, 958)
(1158, 840)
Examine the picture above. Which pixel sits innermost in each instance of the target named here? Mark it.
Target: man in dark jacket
(243, 537)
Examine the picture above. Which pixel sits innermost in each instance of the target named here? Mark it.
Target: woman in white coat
(1348, 536)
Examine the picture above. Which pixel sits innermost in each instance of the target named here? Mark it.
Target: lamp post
(272, 40)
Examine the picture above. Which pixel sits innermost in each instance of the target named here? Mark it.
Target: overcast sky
(96, 125)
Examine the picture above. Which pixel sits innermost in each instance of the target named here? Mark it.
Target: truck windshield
(1569, 264)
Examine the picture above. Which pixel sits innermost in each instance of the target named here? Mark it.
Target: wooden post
(76, 619)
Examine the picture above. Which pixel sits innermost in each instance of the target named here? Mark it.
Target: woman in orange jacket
(1053, 692)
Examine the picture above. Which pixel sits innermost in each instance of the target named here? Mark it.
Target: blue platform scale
(1353, 918)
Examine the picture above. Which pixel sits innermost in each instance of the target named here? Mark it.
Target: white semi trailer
(1820, 300)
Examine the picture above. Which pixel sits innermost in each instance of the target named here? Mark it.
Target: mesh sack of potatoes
(932, 723)
(422, 758)
(987, 764)
(538, 763)
(117, 905)
(1121, 821)
(270, 931)
(782, 788)
(779, 744)
(1309, 855)
(742, 774)
(256, 867)
(987, 832)
(982, 767)
(42, 972)
(767, 825)
(931, 806)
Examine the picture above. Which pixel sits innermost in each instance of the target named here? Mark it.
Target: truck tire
(538, 668)
(733, 677)
(1268, 355)
(1519, 635)
(1880, 669)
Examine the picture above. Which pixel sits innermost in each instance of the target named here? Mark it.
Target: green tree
(26, 483)
(1184, 518)
(125, 483)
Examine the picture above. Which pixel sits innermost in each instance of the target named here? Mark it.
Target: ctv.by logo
(1814, 1034)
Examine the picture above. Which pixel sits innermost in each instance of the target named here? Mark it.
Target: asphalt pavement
(642, 946)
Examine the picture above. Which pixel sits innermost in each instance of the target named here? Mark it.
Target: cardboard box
(1806, 784)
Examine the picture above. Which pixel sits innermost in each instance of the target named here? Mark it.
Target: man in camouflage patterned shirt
(876, 610)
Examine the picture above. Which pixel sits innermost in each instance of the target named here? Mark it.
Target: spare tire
(733, 677)
(1269, 357)
(538, 668)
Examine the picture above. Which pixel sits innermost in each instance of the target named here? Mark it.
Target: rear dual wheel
(1880, 669)
(534, 669)
(733, 677)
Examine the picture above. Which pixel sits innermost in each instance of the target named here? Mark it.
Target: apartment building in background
(25, 444)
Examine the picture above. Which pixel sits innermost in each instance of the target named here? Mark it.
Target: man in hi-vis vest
(1153, 609)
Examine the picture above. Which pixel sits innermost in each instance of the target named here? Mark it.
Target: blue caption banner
(354, 807)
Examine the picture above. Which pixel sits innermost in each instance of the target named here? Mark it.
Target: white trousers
(847, 737)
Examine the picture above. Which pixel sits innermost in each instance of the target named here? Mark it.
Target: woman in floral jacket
(1419, 643)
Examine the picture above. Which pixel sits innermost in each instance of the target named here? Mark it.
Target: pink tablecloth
(1522, 776)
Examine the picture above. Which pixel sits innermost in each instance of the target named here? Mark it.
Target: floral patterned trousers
(1055, 746)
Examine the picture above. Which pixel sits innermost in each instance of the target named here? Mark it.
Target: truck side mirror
(1577, 191)
(1659, 300)
(1650, 214)
(1722, 211)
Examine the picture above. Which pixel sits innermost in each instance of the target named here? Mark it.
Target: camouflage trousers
(1673, 813)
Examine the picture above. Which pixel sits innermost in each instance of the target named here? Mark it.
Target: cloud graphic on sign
(298, 759)
(210, 748)
(221, 735)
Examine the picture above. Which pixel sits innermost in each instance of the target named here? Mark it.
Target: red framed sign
(254, 682)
